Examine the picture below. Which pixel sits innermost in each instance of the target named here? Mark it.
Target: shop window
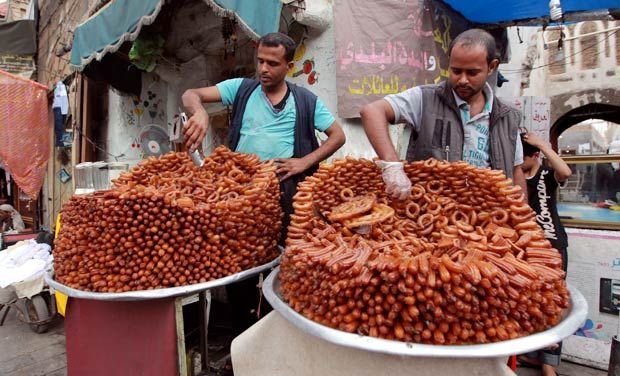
(616, 38)
(607, 42)
(591, 196)
(4, 10)
(556, 55)
(572, 44)
(589, 46)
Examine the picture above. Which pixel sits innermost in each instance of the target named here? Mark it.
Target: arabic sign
(536, 113)
(387, 46)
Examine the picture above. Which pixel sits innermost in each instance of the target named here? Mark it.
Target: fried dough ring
(412, 210)
(379, 213)
(346, 194)
(352, 208)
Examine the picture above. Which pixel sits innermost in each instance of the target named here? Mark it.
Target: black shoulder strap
(241, 100)
(305, 138)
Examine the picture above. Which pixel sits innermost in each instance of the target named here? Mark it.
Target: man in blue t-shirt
(275, 120)
(270, 117)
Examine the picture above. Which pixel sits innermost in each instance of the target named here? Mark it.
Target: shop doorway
(588, 139)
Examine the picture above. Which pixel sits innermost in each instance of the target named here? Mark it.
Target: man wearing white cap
(10, 219)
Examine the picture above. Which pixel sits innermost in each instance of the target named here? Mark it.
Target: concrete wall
(57, 20)
(129, 116)
(585, 71)
(21, 65)
(18, 9)
(14, 10)
(320, 47)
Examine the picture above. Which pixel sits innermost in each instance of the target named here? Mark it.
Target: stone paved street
(26, 353)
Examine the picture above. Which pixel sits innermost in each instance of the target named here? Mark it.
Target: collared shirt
(476, 132)
(408, 108)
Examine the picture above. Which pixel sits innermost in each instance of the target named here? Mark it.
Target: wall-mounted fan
(154, 140)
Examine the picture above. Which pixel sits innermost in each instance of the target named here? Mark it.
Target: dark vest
(305, 138)
(441, 132)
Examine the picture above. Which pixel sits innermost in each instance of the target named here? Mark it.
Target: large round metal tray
(574, 318)
(159, 293)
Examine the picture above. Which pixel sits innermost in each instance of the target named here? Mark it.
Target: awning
(18, 37)
(119, 21)
(494, 12)
(24, 131)
(256, 17)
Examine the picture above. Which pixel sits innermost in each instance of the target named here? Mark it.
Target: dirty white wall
(320, 47)
(128, 116)
(520, 39)
(195, 58)
(586, 71)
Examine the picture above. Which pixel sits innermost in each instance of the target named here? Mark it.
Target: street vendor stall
(129, 257)
(97, 327)
(291, 344)
(455, 278)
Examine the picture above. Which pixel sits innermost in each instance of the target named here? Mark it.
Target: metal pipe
(590, 15)
(614, 358)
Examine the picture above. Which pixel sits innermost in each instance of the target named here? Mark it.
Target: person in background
(271, 118)
(542, 186)
(275, 120)
(459, 119)
(10, 219)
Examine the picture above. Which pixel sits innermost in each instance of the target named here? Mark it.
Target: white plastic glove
(397, 183)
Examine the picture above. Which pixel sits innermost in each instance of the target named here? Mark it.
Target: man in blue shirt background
(275, 120)
(271, 117)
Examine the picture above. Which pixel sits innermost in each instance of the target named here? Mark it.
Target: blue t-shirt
(265, 131)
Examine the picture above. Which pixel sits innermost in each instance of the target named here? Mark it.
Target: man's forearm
(324, 151)
(191, 101)
(376, 128)
(562, 171)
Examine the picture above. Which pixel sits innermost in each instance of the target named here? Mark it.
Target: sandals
(527, 362)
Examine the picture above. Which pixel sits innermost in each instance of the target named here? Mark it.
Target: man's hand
(397, 183)
(287, 167)
(195, 130)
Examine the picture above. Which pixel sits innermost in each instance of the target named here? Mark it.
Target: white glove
(397, 183)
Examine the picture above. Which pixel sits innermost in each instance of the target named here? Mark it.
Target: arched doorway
(588, 139)
(601, 111)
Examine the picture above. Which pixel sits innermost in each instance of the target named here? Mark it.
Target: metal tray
(159, 293)
(574, 319)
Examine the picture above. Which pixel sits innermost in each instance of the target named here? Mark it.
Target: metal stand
(7, 308)
(97, 321)
(204, 300)
(614, 358)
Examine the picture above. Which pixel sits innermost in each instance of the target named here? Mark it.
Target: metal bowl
(573, 320)
(159, 293)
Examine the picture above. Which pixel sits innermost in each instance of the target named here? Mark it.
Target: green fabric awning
(119, 21)
(256, 17)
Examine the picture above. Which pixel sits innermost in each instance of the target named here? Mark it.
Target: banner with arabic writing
(387, 46)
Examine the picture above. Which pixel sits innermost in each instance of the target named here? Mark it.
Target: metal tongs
(195, 155)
